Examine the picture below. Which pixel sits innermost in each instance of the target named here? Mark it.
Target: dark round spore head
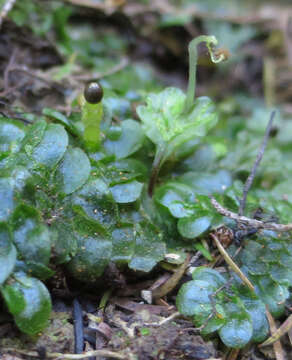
(93, 93)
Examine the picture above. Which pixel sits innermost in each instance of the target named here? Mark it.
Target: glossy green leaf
(7, 253)
(11, 134)
(85, 225)
(38, 270)
(52, 146)
(61, 118)
(206, 316)
(20, 175)
(206, 183)
(272, 294)
(175, 196)
(257, 311)
(33, 136)
(136, 168)
(149, 247)
(73, 170)
(96, 201)
(118, 106)
(93, 256)
(29, 301)
(250, 257)
(123, 240)
(238, 330)
(64, 240)
(193, 226)
(7, 197)
(195, 299)
(212, 276)
(114, 132)
(130, 140)
(126, 192)
(281, 274)
(192, 294)
(31, 238)
(14, 299)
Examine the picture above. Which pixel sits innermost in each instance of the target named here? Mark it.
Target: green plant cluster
(82, 193)
(60, 205)
(236, 312)
(66, 201)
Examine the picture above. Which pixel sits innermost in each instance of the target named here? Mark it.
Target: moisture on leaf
(29, 301)
(175, 196)
(7, 197)
(52, 146)
(11, 134)
(193, 226)
(149, 247)
(73, 170)
(126, 192)
(93, 256)
(123, 244)
(238, 330)
(31, 237)
(7, 253)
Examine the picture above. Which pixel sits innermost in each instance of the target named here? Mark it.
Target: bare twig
(231, 263)
(250, 222)
(8, 5)
(105, 353)
(259, 157)
(14, 116)
(172, 282)
(278, 349)
(10, 64)
(165, 320)
(283, 329)
(233, 355)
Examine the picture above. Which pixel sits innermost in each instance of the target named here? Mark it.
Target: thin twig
(165, 320)
(231, 263)
(278, 349)
(212, 296)
(233, 354)
(259, 157)
(278, 333)
(8, 5)
(250, 222)
(172, 282)
(105, 353)
(9, 66)
(14, 116)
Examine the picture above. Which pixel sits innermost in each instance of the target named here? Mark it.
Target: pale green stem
(157, 163)
(210, 41)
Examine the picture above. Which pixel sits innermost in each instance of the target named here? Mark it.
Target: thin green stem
(210, 41)
(157, 163)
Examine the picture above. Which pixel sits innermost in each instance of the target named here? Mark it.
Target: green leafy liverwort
(172, 118)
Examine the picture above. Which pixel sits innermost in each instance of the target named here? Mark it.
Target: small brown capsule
(93, 93)
(225, 53)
